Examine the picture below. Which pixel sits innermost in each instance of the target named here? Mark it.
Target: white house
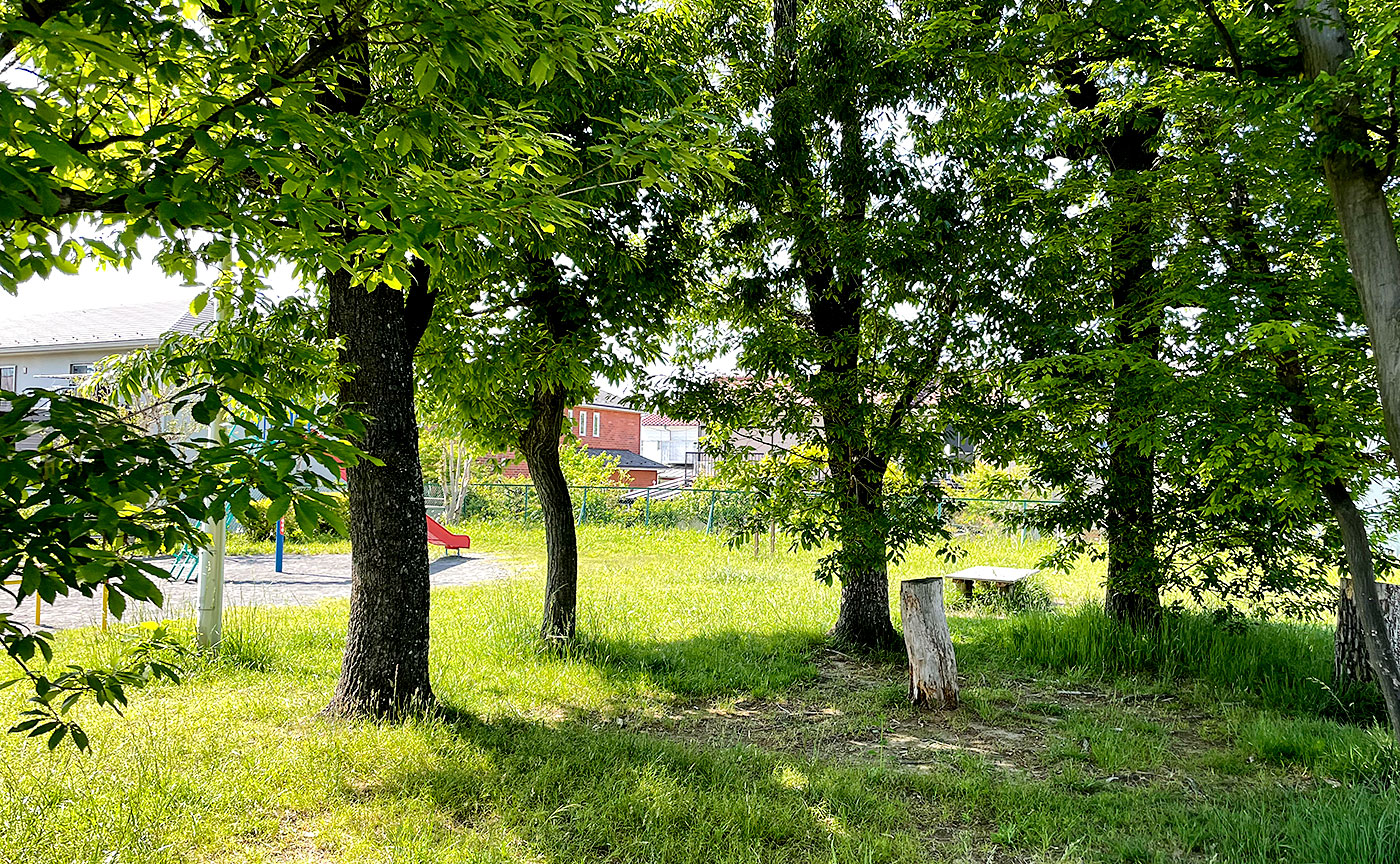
(50, 351)
(670, 442)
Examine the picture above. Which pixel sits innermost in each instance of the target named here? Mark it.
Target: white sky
(92, 288)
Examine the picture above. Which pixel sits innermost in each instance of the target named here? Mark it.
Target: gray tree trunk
(1374, 630)
(1357, 189)
(933, 667)
(540, 447)
(1352, 660)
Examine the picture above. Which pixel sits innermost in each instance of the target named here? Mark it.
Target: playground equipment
(185, 566)
(440, 536)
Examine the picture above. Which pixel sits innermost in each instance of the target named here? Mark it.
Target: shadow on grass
(710, 665)
(574, 792)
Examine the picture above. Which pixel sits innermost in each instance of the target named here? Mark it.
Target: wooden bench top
(1003, 575)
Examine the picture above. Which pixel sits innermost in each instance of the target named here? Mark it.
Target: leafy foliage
(87, 498)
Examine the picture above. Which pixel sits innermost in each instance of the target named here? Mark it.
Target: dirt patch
(297, 841)
(857, 711)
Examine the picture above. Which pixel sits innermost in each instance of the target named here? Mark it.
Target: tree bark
(864, 617)
(1133, 581)
(539, 444)
(385, 673)
(1352, 660)
(1134, 578)
(1374, 631)
(1356, 185)
(933, 666)
(836, 297)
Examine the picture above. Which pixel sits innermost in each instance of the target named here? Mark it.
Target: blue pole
(279, 545)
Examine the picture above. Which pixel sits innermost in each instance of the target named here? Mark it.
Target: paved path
(250, 580)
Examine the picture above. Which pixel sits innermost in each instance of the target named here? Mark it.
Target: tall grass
(1278, 664)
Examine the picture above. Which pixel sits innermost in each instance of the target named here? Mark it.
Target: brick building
(607, 424)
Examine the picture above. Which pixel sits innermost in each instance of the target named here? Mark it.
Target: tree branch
(1225, 37)
(32, 13)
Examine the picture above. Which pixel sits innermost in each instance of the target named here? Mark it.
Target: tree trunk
(1356, 185)
(933, 667)
(1133, 581)
(385, 673)
(1374, 630)
(1352, 661)
(864, 618)
(1131, 590)
(540, 447)
(1357, 188)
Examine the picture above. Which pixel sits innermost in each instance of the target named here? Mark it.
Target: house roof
(627, 459)
(111, 326)
(604, 399)
(662, 420)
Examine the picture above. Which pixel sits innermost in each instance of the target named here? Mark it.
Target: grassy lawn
(701, 718)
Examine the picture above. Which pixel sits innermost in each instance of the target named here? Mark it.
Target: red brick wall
(618, 430)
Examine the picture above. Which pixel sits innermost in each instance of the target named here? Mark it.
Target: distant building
(608, 425)
(54, 350)
(670, 442)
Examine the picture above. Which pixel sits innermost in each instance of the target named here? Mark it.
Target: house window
(7, 378)
(582, 423)
(595, 424)
(79, 368)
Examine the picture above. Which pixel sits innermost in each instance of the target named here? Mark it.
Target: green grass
(1277, 664)
(702, 718)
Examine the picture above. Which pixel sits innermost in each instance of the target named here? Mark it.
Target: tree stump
(933, 670)
(1350, 664)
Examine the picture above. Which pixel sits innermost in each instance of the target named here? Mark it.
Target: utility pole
(211, 560)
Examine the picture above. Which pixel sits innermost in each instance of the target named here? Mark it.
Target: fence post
(583, 513)
(647, 519)
(710, 523)
(527, 505)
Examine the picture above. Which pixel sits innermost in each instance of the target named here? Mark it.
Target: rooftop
(604, 399)
(663, 420)
(627, 459)
(129, 326)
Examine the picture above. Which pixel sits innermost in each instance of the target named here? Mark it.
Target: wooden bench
(440, 536)
(1002, 577)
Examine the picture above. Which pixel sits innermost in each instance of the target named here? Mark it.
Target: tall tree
(554, 310)
(350, 139)
(844, 274)
(1357, 163)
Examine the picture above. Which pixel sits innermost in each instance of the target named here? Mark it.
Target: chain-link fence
(697, 509)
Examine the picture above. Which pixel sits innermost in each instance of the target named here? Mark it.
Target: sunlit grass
(234, 765)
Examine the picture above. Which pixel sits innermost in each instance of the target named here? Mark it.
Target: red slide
(440, 536)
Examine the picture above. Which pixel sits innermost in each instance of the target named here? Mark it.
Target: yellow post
(104, 607)
(38, 605)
